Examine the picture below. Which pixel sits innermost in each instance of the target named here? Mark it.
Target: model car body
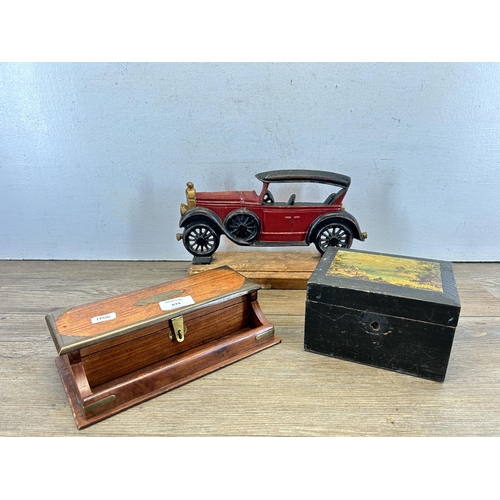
(251, 218)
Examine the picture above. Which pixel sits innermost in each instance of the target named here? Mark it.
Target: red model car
(248, 218)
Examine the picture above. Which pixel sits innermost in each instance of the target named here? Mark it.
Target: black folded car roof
(319, 176)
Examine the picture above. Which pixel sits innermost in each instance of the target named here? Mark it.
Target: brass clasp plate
(179, 328)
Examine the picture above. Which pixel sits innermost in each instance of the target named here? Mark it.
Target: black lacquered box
(388, 311)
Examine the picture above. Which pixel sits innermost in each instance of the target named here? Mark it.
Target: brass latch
(179, 329)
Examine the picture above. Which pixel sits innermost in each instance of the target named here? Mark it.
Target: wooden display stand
(121, 351)
(279, 270)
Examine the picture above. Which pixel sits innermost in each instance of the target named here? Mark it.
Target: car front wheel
(200, 239)
(334, 234)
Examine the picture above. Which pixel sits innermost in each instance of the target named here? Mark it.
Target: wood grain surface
(276, 270)
(282, 391)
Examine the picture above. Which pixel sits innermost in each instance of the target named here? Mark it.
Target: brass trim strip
(264, 335)
(98, 404)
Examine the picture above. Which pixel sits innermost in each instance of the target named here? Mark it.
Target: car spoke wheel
(243, 226)
(333, 235)
(200, 240)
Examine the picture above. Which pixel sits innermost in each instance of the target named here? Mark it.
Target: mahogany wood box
(123, 350)
(388, 311)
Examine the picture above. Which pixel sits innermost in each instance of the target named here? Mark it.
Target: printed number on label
(168, 305)
(104, 317)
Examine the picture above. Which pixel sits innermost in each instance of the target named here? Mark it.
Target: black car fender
(341, 216)
(203, 215)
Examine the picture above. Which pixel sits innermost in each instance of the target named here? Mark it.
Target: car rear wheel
(334, 234)
(242, 225)
(200, 239)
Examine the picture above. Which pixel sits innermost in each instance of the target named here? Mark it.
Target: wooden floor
(282, 391)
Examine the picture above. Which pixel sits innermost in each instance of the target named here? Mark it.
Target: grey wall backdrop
(94, 158)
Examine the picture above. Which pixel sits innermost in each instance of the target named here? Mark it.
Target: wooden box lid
(420, 289)
(95, 322)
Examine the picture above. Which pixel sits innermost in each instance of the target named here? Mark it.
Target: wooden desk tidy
(118, 352)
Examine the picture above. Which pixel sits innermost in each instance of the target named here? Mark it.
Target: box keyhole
(374, 324)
